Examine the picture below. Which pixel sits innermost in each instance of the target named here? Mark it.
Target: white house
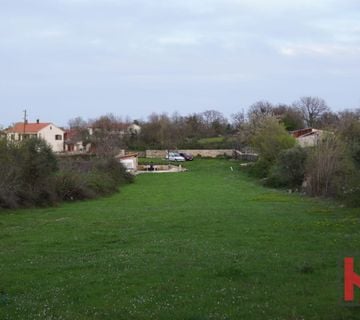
(52, 134)
(134, 129)
(309, 137)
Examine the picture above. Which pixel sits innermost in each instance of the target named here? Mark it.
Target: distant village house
(308, 137)
(74, 141)
(134, 129)
(47, 131)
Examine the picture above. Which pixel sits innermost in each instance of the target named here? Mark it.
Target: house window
(12, 137)
(58, 137)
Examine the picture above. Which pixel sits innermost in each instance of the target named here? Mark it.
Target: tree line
(208, 129)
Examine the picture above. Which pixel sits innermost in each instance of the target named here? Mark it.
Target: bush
(349, 131)
(31, 175)
(27, 170)
(329, 168)
(349, 193)
(101, 183)
(260, 169)
(10, 178)
(114, 169)
(72, 186)
(37, 168)
(289, 169)
(90, 178)
(269, 139)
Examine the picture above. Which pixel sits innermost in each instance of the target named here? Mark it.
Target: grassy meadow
(209, 243)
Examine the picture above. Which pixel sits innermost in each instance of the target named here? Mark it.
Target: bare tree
(238, 119)
(291, 117)
(77, 123)
(157, 131)
(311, 109)
(258, 111)
(348, 129)
(215, 122)
(328, 120)
(327, 167)
(108, 134)
(79, 131)
(194, 126)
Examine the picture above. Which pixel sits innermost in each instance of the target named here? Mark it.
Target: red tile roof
(301, 132)
(28, 128)
(71, 134)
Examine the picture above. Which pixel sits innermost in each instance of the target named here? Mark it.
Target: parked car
(174, 156)
(187, 156)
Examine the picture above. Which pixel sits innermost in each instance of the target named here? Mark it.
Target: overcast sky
(66, 58)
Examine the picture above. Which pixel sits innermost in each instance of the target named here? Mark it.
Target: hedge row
(31, 175)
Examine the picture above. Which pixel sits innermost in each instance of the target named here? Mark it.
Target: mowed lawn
(208, 243)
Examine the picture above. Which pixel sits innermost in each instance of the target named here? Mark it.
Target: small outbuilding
(129, 161)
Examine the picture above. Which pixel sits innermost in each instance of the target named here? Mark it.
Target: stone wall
(141, 154)
(155, 153)
(213, 153)
(199, 152)
(245, 156)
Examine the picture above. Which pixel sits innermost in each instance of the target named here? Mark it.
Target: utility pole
(25, 120)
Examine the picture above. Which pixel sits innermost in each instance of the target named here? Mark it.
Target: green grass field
(209, 243)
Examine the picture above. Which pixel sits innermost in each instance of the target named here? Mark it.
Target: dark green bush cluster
(325, 170)
(289, 168)
(31, 175)
(331, 171)
(26, 174)
(330, 168)
(270, 139)
(90, 177)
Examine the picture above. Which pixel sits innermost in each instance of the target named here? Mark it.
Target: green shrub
(260, 169)
(72, 186)
(269, 139)
(289, 168)
(347, 186)
(31, 175)
(90, 177)
(114, 169)
(38, 166)
(329, 168)
(9, 175)
(101, 183)
(27, 174)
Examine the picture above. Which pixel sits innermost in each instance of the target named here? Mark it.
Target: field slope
(205, 244)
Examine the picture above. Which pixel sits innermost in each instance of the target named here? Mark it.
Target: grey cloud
(172, 54)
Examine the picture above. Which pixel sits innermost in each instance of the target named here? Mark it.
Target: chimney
(37, 121)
